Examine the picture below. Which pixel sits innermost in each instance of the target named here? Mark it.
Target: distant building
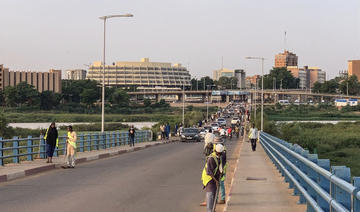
(143, 73)
(343, 74)
(307, 75)
(251, 81)
(286, 59)
(76, 74)
(238, 73)
(354, 68)
(42, 81)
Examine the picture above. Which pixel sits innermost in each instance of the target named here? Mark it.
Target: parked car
(235, 120)
(190, 134)
(221, 121)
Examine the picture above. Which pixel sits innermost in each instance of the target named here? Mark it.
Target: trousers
(210, 201)
(253, 144)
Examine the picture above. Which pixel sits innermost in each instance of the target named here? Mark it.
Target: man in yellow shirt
(70, 148)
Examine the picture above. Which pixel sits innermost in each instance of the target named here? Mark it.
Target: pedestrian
(223, 175)
(208, 142)
(51, 137)
(132, 136)
(211, 176)
(162, 130)
(237, 131)
(176, 129)
(70, 148)
(253, 136)
(167, 130)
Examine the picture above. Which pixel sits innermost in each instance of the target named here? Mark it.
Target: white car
(215, 127)
(221, 121)
(235, 120)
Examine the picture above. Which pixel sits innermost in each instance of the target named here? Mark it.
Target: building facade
(252, 81)
(354, 68)
(42, 81)
(307, 75)
(286, 59)
(76, 74)
(143, 73)
(238, 73)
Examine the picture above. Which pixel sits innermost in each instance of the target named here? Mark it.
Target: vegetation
(344, 85)
(281, 78)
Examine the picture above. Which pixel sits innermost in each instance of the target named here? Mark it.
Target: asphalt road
(161, 178)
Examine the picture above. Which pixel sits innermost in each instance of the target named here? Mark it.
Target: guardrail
(321, 186)
(21, 149)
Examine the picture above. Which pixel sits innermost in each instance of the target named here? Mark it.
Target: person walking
(70, 148)
(167, 130)
(162, 130)
(211, 175)
(253, 136)
(237, 131)
(132, 136)
(51, 138)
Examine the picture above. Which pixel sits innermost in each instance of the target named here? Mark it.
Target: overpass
(242, 95)
(279, 176)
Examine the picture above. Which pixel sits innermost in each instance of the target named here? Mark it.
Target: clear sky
(65, 34)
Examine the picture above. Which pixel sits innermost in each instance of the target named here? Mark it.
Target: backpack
(208, 149)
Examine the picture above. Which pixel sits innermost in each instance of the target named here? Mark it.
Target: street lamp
(103, 78)
(262, 87)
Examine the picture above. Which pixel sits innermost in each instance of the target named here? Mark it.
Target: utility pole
(183, 110)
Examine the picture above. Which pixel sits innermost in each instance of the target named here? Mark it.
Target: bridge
(242, 95)
(110, 176)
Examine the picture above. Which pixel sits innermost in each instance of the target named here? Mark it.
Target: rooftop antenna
(285, 42)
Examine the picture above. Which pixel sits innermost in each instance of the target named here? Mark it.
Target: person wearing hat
(51, 138)
(211, 175)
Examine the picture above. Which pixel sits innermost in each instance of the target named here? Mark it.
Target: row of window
(140, 68)
(145, 82)
(93, 76)
(138, 72)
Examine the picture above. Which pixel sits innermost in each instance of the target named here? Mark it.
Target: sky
(38, 35)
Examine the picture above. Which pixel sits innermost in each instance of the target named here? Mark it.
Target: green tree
(205, 82)
(27, 95)
(227, 82)
(2, 98)
(89, 96)
(147, 102)
(10, 96)
(282, 78)
(72, 89)
(48, 100)
(120, 97)
(5, 130)
(352, 84)
(330, 86)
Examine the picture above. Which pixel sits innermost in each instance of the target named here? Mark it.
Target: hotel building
(354, 68)
(286, 59)
(143, 73)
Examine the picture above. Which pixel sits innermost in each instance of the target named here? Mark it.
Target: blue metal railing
(321, 186)
(20, 149)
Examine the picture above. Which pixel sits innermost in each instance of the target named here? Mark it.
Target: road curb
(47, 167)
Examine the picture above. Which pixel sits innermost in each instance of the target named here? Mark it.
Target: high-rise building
(354, 68)
(76, 74)
(252, 81)
(286, 59)
(307, 75)
(42, 81)
(241, 77)
(144, 73)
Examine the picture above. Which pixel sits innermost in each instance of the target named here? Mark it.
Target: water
(44, 125)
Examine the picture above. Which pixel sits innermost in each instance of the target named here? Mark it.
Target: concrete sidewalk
(258, 186)
(26, 168)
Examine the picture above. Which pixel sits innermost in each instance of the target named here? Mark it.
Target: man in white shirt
(253, 136)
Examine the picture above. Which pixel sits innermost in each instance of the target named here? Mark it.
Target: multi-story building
(286, 59)
(307, 75)
(252, 81)
(42, 81)
(238, 73)
(76, 74)
(144, 73)
(354, 68)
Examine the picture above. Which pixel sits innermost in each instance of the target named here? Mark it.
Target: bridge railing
(321, 186)
(26, 149)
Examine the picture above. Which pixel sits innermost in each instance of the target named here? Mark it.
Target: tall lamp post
(103, 78)
(262, 87)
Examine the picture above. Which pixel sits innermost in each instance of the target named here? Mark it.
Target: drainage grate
(256, 178)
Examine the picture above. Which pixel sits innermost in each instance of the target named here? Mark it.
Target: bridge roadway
(162, 178)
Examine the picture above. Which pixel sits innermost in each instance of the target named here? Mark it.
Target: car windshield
(190, 130)
(221, 119)
(214, 125)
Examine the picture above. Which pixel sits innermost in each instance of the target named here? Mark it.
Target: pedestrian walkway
(26, 168)
(258, 186)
